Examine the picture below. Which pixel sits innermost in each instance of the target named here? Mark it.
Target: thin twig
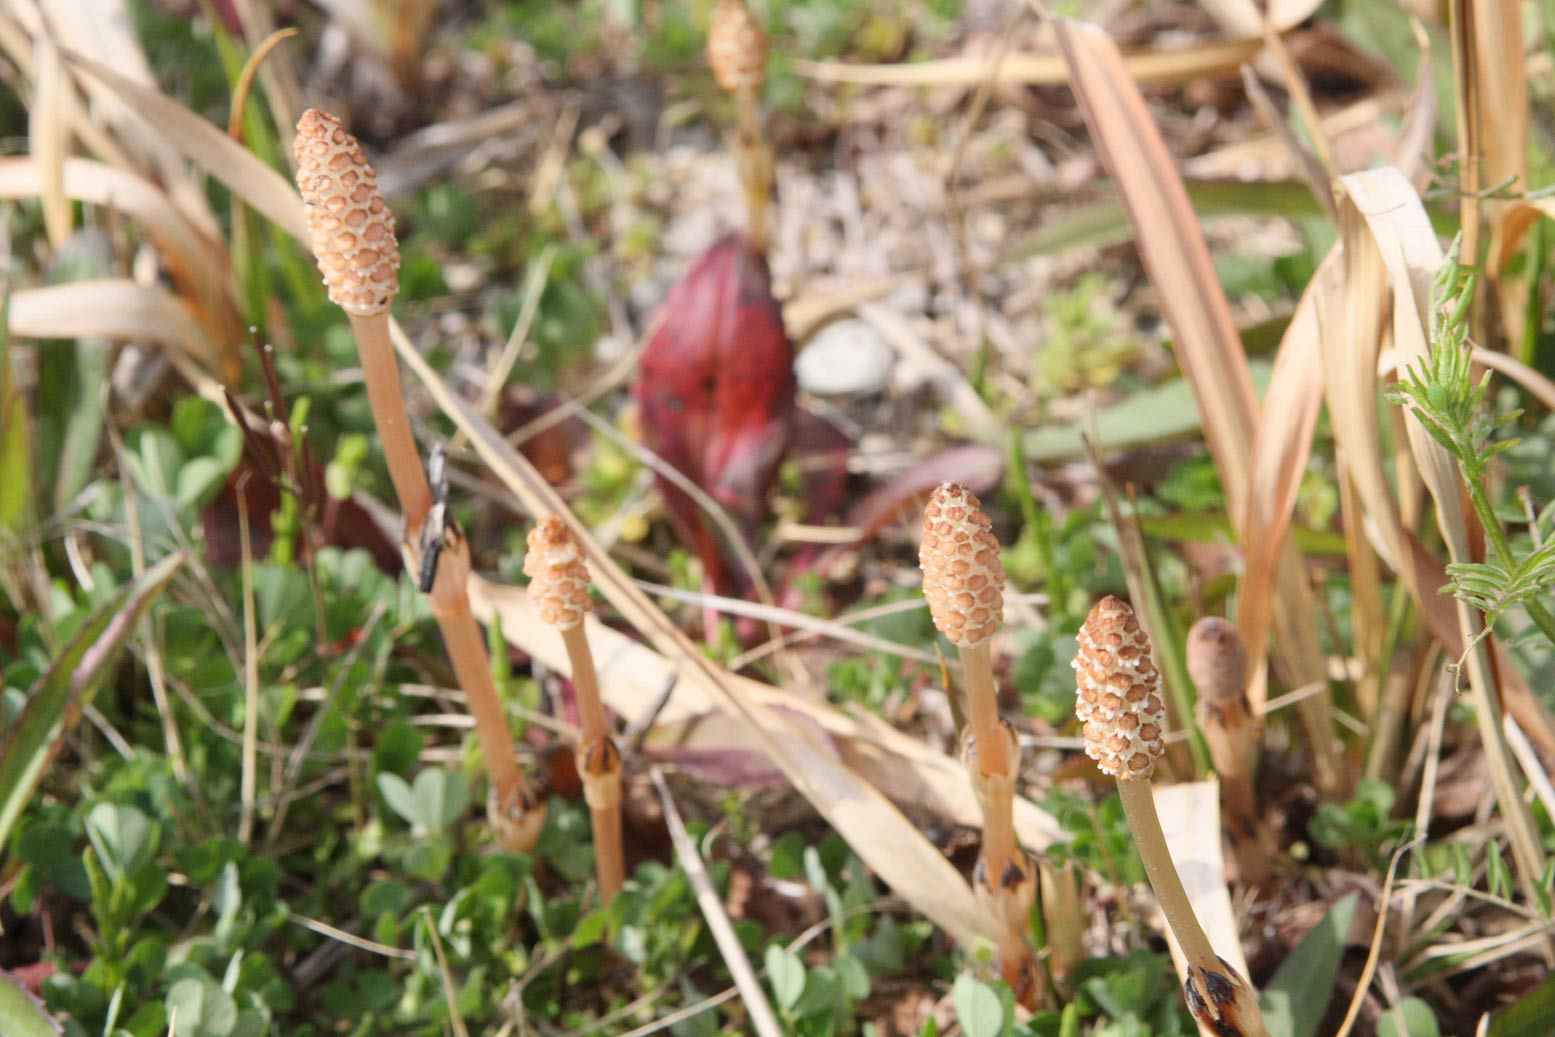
(450, 993)
(350, 939)
(1370, 970)
(762, 1019)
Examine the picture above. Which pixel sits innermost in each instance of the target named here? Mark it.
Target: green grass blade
(1295, 1000)
(1529, 1017)
(1160, 412)
(56, 700)
(1105, 222)
(15, 445)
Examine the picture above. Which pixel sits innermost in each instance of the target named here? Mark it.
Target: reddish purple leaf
(716, 389)
(978, 468)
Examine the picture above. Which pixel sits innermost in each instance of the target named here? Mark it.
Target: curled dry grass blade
(1385, 218)
(251, 68)
(1515, 223)
(115, 308)
(198, 265)
(1350, 315)
(1177, 260)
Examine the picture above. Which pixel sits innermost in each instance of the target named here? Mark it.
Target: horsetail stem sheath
(352, 232)
(559, 587)
(963, 581)
(1217, 662)
(1119, 703)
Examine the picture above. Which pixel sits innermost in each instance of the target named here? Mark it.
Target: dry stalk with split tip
(559, 587)
(1217, 662)
(963, 580)
(737, 52)
(1119, 702)
(352, 232)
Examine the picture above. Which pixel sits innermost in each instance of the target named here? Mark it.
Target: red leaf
(979, 468)
(716, 389)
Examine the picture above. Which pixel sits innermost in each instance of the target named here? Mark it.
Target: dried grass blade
(245, 84)
(1147, 66)
(1177, 259)
(209, 148)
(1171, 245)
(1400, 233)
(1353, 326)
(49, 133)
(1533, 383)
(1500, 94)
(198, 265)
(1515, 221)
(1369, 970)
(1282, 446)
(884, 839)
(762, 1020)
(103, 31)
(279, 74)
(108, 308)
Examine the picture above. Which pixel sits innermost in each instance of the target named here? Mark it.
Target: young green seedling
(963, 580)
(1119, 702)
(559, 587)
(352, 231)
